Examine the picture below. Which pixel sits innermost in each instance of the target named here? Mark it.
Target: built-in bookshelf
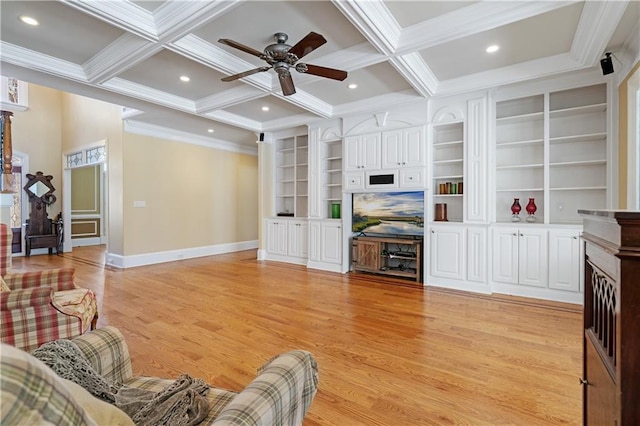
(332, 177)
(448, 169)
(292, 176)
(552, 147)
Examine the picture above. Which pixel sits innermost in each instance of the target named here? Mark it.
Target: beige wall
(623, 138)
(194, 196)
(37, 132)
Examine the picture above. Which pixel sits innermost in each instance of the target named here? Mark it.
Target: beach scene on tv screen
(398, 213)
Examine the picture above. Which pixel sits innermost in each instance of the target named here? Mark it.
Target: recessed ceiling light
(493, 48)
(210, 130)
(352, 86)
(265, 108)
(29, 20)
(184, 78)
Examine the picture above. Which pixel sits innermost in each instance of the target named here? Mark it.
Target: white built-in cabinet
(399, 153)
(520, 256)
(287, 239)
(564, 250)
(458, 256)
(325, 252)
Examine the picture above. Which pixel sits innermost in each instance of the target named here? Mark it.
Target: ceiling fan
(282, 57)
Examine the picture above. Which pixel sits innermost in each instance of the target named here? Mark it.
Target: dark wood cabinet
(398, 257)
(611, 366)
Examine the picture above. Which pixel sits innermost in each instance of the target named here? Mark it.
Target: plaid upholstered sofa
(280, 394)
(41, 306)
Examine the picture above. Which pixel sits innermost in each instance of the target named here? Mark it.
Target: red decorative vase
(515, 207)
(531, 207)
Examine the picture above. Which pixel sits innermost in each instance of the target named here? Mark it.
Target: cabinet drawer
(412, 178)
(354, 180)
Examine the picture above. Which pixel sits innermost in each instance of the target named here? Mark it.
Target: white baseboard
(452, 284)
(261, 254)
(132, 261)
(83, 242)
(323, 266)
(539, 293)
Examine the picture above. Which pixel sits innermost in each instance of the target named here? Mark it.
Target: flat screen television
(388, 213)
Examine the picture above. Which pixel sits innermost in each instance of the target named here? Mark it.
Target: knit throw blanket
(183, 403)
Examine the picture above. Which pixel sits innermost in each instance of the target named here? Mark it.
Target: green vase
(335, 211)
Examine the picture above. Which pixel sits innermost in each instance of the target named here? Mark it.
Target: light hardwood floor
(388, 354)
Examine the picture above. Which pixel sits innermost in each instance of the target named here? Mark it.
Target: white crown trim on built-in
(137, 127)
(119, 261)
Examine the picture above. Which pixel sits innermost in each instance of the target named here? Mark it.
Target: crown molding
(286, 122)
(176, 19)
(139, 91)
(122, 14)
(374, 21)
(473, 19)
(376, 103)
(529, 70)
(228, 98)
(128, 113)
(304, 100)
(125, 52)
(36, 61)
(235, 120)
(416, 71)
(160, 132)
(597, 24)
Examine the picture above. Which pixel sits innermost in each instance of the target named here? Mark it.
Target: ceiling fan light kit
(281, 57)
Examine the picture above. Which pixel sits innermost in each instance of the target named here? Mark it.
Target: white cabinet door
(331, 246)
(277, 237)
(370, 152)
(477, 254)
(564, 260)
(505, 255)
(315, 243)
(392, 149)
(447, 252)
(298, 239)
(352, 148)
(413, 147)
(362, 152)
(532, 257)
(412, 178)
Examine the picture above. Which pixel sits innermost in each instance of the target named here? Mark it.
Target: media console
(398, 257)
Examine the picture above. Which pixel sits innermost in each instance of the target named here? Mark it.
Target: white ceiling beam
(597, 24)
(476, 18)
(227, 98)
(374, 21)
(376, 103)
(37, 61)
(235, 120)
(123, 14)
(149, 94)
(174, 20)
(416, 71)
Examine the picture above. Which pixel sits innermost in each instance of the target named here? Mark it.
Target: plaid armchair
(38, 307)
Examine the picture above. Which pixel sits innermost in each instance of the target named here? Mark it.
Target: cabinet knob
(410, 177)
(584, 381)
(522, 235)
(575, 237)
(515, 234)
(433, 232)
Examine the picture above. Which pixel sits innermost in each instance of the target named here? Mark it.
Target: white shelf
(579, 188)
(333, 158)
(521, 166)
(521, 118)
(448, 195)
(457, 160)
(448, 177)
(579, 163)
(578, 138)
(531, 142)
(520, 190)
(334, 171)
(567, 112)
(443, 144)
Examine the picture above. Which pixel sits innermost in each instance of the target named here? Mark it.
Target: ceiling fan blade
(323, 71)
(307, 45)
(286, 82)
(246, 73)
(249, 50)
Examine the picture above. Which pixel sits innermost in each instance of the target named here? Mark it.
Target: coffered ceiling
(133, 53)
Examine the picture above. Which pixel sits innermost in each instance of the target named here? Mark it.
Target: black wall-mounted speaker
(261, 137)
(606, 64)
